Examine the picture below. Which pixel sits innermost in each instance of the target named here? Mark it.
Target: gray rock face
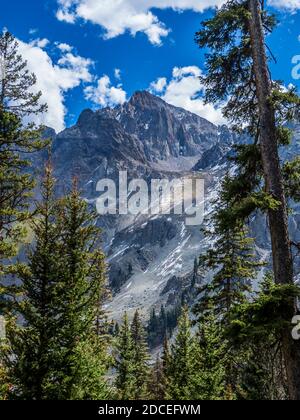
(218, 153)
(150, 257)
(97, 136)
(154, 232)
(164, 130)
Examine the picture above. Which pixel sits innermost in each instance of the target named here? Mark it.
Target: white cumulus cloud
(159, 85)
(41, 43)
(117, 73)
(119, 16)
(55, 79)
(184, 90)
(64, 47)
(285, 4)
(104, 94)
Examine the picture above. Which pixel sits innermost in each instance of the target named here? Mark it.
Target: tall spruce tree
(17, 139)
(84, 329)
(16, 83)
(233, 264)
(255, 330)
(238, 76)
(278, 220)
(34, 347)
(125, 380)
(140, 358)
(231, 259)
(182, 364)
(156, 384)
(166, 366)
(57, 352)
(166, 356)
(212, 379)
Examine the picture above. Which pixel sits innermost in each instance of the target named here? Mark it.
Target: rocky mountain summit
(151, 257)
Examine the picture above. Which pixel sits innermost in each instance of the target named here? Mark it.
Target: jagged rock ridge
(150, 257)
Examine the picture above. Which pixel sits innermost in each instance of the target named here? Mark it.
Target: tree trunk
(278, 219)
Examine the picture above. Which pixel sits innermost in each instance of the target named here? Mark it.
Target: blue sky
(93, 53)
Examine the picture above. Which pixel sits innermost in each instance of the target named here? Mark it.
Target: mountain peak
(144, 97)
(85, 116)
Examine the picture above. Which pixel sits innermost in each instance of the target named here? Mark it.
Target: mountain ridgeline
(151, 258)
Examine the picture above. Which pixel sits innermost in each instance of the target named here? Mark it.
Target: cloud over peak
(54, 79)
(104, 94)
(185, 90)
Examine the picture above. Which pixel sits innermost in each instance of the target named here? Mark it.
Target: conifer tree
(4, 384)
(125, 380)
(163, 325)
(255, 330)
(231, 259)
(166, 366)
(4, 379)
(181, 369)
(116, 329)
(156, 382)
(34, 346)
(153, 318)
(140, 358)
(166, 356)
(57, 352)
(195, 273)
(212, 361)
(17, 139)
(153, 329)
(163, 321)
(268, 136)
(84, 329)
(238, 76)
(16, 96)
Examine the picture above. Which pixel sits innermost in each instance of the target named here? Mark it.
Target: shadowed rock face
(217, 153)
(143, 131)
(165, 130)
(146, 129)
(150, 258)
(99, 135)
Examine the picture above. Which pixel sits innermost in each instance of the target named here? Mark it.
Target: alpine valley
(151, 257)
